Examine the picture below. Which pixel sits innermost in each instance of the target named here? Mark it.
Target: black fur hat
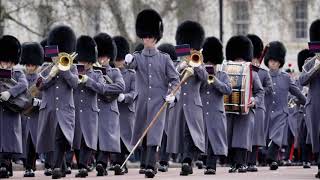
(257, 45)
(123, 47)
(169, 49)
(303, 55)
(190, 32)
(149, 24)
(314, 31)
(106, 46)
(64, 37)
(277, 52)
(10, 49)
(239, 47)
(86, 49)
(212, 50)
(32, 53)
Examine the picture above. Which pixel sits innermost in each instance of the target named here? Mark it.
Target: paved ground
(284, 173)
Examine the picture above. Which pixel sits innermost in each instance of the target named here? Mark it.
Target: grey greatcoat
(32, 119)
(214, 113)
(310, 76)
(57, 107)
(240, 127)
(187, 110)
(154, 72)
(282, 85)
(109, 126)
(259, 138)
(87, 112)
(127, 107)
(10, 122)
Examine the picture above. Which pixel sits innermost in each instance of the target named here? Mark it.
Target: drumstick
(264, 52)
(163, 107)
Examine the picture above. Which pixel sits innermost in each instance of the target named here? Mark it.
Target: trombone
(195, 59)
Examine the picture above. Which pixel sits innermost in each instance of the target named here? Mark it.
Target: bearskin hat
(314, 31)
(212, 50)
(10, 49)
(149, 24)
(257, 45)
(106, 46)
(192, 33)
(32, 53)
(169, 49)
(123, 47)
(64, 37)
(277, 52)
(239, 47)
(87, 49)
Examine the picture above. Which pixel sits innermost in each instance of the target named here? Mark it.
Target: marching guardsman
(32, 58)
(212, 92)
(310, 77)
(240, 127)
(154, 73)
(108, 125)
(185, 120)
(57, 112)
(10, 126)
(282, 85)
(259, 134)
(86, 105)
(126, 104)
(163, 155)
(303, 131)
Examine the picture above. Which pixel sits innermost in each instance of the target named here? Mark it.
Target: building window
(301, 18)
(240, 17)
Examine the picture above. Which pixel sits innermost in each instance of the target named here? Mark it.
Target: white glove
(183, 65)
(128, 59)
(4, 96)
(84, 79)
(189, 69)
(316, 62)
(36, 102)
(170, 98)
(54, 71)
(120, 97)
(252, 102)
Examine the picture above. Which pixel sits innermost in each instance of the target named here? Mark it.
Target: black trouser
(148, 156)
(238, 157)
(102, 156)
(119, 158)
(31, 154)
(190, 150)
(211, 161)
(62, 146)
(273, 151)
(84, 155)
(252, 156)
(290, 140)
(164, 156)
(48, 160)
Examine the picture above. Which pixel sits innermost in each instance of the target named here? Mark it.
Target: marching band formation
(90, 100)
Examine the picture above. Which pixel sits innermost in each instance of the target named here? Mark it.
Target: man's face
(30, 68)
(149, 42)
(87, 65)
(273, 64)
(104, 60)
(119, 64)
(6, 65)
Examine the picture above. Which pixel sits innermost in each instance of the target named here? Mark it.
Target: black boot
(306, 165)
(199, 164)
(4, 173)
(252, 168)
(186, 169)
(163, 167)
(48, 172)
(29, 173)
(83, 172)
(242, 169)
(101, 170)
(142, 169)
(274, 166)
(118, 170)
(150, 173)
(57, 173)
(210, 171)
(68, 170)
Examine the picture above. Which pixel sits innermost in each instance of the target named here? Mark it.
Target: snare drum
(240, 74)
